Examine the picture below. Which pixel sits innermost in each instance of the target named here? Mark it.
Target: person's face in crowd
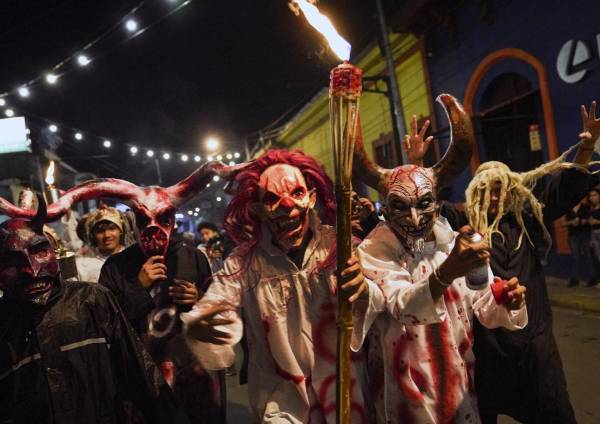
(495, 193)
(107, 237)
(28, 265)
(284, 204)
(207, 233)
(594, 198)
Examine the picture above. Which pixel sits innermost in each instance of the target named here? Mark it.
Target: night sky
(227, 68)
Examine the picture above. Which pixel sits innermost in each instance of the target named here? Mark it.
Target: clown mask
(411, 208)
(28, 266)
(284, 205)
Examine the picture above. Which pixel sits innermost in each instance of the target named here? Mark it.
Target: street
(578, 338)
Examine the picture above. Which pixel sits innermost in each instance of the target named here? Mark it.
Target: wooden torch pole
(344, 94)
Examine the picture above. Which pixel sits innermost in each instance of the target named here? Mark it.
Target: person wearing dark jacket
(153, 291)
(520, 373)
(67, 353)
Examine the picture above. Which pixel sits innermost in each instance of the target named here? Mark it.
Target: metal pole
(393, 89)
(158, 174)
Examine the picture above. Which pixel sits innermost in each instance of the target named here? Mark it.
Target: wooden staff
(344, 95)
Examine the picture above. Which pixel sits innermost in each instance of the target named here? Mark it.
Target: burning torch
(344, 95)
(51, 193)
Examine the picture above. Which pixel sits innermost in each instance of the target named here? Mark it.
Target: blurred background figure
(578, 227)
(594, 221)
(364, 216)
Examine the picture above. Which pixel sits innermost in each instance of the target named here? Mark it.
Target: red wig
(242, 225)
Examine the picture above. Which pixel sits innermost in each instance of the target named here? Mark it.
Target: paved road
(578, 337)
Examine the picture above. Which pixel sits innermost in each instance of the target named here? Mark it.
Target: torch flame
(50, 174)
(322, 24)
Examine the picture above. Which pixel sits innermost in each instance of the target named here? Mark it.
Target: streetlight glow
(212, 144)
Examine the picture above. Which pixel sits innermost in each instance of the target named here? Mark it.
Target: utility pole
(393, 90)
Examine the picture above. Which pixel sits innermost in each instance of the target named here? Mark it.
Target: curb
(579, 303)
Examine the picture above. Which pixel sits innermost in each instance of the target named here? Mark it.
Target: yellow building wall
(310, 131)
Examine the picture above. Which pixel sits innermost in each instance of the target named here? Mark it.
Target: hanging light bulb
(51, 78)
(131, 25)
(216, 178)
(229, 156)
(184, 158)
(9, 112)
(197, 158)
(166, 156)
(107, 143)
(236, 155)
(78, 136)
(197, 209)
(24, 91)
(220, 157)
(190, 212)
(150, 153)
(219, 198)
(53, 128)
(83, 60)
(133, 150)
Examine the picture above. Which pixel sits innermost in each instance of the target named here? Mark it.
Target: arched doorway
(509, 120)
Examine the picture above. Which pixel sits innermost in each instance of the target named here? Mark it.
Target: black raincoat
(193, 386)
(77, 360)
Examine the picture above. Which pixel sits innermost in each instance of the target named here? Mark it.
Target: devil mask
(28, 266)
(284, 205)
(410, 191)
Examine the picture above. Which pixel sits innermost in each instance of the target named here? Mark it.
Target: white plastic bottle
(477, 278)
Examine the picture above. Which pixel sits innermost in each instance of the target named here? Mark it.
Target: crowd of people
(442, 328)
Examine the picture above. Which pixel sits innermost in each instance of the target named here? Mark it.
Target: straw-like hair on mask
(516, 192)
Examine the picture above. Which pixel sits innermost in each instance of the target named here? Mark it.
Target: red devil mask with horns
(154, 207)
(410, 191)
(28, 266)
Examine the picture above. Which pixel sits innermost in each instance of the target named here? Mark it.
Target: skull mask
(284, 205)
(411, 206)
(409, 191)
(28, 266)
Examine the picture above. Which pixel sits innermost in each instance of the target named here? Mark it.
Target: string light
(209, 158)
(2, 102)
(53, 128)
(78, 136)
(9, 112)
(184, 158)
(24, 91)
(51, 78)
(197, 158)
(216, 178)
(236, 155)
(190, 213)
(83, 60)
(197, 209)
(131, 25)
(107, 144)
(219, 157)
(231, 163)
(150, 153)
(166, 156)
(133, 150)
(229, 156)
(195, 213)
(219, 198)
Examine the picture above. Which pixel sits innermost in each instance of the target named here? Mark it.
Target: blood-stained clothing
(420, 349)
(289, 321)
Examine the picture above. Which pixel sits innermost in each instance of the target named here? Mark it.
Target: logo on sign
(572, 63)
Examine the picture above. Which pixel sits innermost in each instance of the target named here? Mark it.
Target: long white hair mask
(516, 192)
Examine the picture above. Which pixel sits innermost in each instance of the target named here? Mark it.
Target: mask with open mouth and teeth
(284, 205)
(28, 266)
(410, 191)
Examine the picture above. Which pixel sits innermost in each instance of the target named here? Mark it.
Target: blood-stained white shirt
(421, 362)
(289, 322)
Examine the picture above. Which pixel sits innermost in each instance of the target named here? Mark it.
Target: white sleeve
(492, 315)
(226, 287)
(364, 312)
(408, 302)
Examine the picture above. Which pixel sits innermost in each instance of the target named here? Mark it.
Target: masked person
(282, 276)
(104, 229)
(520, 373)
(422, 343)
(67, 353)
